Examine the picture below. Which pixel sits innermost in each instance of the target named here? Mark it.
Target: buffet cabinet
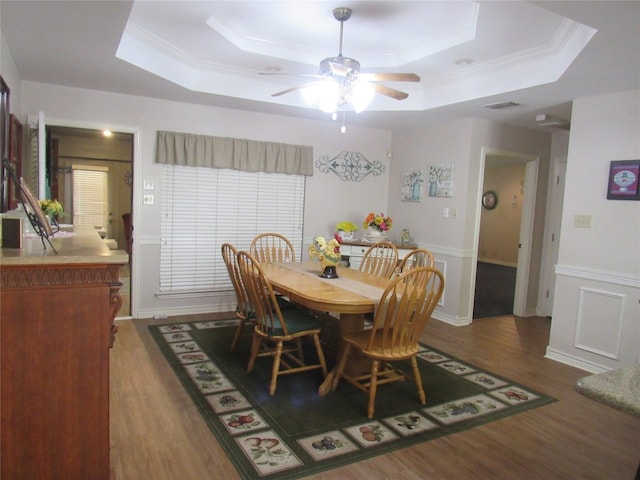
(353, 251)
(56, 329)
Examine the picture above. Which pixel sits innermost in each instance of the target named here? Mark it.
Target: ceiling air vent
(500, 105)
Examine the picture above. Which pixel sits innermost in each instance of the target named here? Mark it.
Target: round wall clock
(489, 199)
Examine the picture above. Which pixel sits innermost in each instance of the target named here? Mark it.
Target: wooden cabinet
(56, 328)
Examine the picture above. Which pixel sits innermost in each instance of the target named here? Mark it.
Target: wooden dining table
(352, 295)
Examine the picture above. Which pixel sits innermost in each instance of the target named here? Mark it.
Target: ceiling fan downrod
(342, 14)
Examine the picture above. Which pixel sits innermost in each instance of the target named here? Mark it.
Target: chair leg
(236, 337)
(321, 359)
(299, 347)
(373, 388)
(256, 341)
(341, 364)
(276, 368)
(418, 379)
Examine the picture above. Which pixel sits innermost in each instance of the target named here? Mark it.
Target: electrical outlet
(147, 199)
(147, 184)
(582, 221)
(454, 213)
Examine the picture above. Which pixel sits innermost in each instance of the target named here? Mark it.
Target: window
(202, 208)
(90, 197)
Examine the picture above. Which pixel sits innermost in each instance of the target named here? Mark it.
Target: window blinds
(90, 196)
(202, 208)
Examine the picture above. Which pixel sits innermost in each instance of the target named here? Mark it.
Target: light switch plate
(147, 184)
(582, 221)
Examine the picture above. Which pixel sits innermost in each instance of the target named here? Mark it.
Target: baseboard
(573, 361)
(455, 321)
(170, 312)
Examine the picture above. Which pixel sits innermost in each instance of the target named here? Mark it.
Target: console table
(355, 249)
(56, 327)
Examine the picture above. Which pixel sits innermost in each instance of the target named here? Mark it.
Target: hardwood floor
(157, 432)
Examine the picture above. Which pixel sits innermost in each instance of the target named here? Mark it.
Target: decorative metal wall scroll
(350, 166)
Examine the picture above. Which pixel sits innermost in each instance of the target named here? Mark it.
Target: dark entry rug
(296, 432)
(495, 289)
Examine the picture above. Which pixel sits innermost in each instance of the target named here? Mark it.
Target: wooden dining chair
(405, 308)
(380, 259)
(278, 333)
(244, 310)
(272, 248)
(419, 257)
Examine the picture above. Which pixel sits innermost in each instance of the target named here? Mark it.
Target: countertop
(619, 389)
(74, 244)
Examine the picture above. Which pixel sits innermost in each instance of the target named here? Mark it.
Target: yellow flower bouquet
(52, 208)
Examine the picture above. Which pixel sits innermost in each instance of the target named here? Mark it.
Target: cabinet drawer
(357, 250)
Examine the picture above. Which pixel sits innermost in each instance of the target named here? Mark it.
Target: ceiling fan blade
(389, 77)
(309, 75)
(293, 89)
(389, 92)
(288, 90)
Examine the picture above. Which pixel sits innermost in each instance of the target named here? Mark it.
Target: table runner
(354, 286)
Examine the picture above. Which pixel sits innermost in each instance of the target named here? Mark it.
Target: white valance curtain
(193, 150)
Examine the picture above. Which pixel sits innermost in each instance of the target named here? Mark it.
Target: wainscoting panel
(594, 325)
(442, 266)
(598, 309)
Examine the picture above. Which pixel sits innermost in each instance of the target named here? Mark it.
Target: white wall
(500, 226)
(328, 199)
(596, 310)
(454, 240)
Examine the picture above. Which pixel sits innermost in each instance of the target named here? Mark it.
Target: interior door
(556, 212)
(526, 240)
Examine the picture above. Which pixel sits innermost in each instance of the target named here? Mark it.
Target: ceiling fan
(339, 80)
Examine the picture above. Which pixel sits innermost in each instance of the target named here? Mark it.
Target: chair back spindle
(272, 248)
(381, 259)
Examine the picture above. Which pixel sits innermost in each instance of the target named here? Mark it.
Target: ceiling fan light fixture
(361, 95)
(325, 95)
(341, 83)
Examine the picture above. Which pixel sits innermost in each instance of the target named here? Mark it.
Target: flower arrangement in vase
(345, 230)
(52, 208)
(377, 226)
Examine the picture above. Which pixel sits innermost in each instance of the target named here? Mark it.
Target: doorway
(505, 221)
(92, 175)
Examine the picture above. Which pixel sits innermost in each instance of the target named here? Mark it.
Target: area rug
(297, 433)
(495, 289)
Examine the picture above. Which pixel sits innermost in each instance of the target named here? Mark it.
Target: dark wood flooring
(158, 434)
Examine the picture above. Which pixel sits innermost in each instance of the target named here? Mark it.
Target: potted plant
(345, 230)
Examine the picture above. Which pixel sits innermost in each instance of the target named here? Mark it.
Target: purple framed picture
(624, 180)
